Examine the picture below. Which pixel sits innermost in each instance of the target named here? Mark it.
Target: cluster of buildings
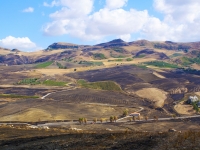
(193, 99)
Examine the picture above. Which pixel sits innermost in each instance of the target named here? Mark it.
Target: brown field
(184, 109)
(155, 95)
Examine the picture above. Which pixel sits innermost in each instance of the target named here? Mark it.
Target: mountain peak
(117, 41)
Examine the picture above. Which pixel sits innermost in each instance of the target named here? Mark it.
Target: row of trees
(84, 120)
(114, 119)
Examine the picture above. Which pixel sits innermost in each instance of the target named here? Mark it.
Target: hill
(184, 54)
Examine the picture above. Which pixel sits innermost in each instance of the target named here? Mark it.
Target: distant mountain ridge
(116, 48)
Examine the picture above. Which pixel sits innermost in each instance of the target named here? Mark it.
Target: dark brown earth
(63, 139)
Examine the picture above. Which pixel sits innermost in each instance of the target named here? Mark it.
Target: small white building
(192, 99)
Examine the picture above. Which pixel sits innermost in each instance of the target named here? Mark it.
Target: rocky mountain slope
(117, 48)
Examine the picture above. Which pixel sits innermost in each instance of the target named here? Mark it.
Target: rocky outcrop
(178, 90)
(62, 46)
(113, 43)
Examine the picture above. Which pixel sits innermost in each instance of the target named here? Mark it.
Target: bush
(32, 81)
(129, 59)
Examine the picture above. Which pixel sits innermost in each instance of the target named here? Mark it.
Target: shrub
(129, 59)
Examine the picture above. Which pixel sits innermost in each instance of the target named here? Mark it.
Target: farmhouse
(192, 99)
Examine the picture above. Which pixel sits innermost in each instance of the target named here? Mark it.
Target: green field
(161, 64)
(16, 96)
(31, 81)
(54, 83)
(175, 55)
(44, 65)
(118, 49)
(103, 85)
(91, 63)
(188, 61)
(119, 56)
(99, 56)
(36, 81)
(140, 66)
(129, 59)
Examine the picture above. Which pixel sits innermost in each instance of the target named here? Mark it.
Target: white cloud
(76, 18)
(29, 10)
(21, 43)
(94, 26)
(181, 20)
(52, 4)
(114, 4)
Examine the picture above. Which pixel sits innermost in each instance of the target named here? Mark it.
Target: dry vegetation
(157, 96)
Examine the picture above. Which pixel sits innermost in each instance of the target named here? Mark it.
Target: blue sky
(33, 25)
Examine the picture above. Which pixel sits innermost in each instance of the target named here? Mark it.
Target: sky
(32, 25)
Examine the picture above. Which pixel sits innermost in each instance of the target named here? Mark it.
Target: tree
(80, 120)
(134, 118)
(95, 120)
(85, 120)
(174, 116)
(125, 112)
(139, 118)
(111, 118)
(155, 118)
(115, 118)
(101, 120)
(146, 118)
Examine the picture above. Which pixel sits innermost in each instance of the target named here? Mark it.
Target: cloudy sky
(33, 25)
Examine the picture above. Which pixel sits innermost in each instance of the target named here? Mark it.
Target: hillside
(109, 53)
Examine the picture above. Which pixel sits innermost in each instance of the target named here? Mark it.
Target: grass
(99, 56)
(119, 56)
(54, 83)
(141, 66)
(129, 59)
(102, 85)
(16, 96)
(31, 81)
(118, 49)
(91, 63)
(44, 65)
(118, 60)
(161, 64)
(188, 61)
(35, 81)
(60, 66)
(175, 55)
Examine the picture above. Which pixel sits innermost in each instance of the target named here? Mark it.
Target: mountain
(62, 45)
(113, 43)
(181, 53)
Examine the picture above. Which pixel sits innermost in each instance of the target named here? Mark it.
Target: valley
(85, 87)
